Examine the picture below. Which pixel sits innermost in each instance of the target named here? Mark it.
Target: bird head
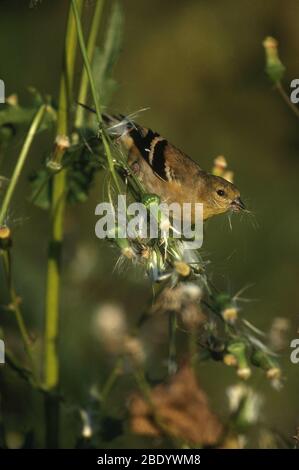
(221, 196)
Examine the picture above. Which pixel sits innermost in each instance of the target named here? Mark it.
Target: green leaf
(82, 166)
(41, 188)
(81, 163)
(106, 57)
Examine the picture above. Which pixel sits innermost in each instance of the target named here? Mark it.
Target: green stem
(58, 202)
(286, 98)
(57, 216)
(21, 161)
(86, 61)
(144, 387)
(14, 364)
(111, 380)
(90, 52)
(15, 305)
(95, 95)
(51, 371)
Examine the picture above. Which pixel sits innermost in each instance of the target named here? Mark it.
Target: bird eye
(220, 192)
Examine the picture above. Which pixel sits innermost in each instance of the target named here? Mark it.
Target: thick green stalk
(51, 371)
(94, 92)
(51, 362)
(21, 161)
(83, 88)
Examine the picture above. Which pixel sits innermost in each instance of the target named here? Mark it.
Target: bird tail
(118, 125)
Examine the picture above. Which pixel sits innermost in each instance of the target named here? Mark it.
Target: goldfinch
(168, 172)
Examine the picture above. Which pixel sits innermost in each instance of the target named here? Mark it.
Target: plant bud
(87, 431)
(122, 243)
(5, 237)
(12, 100)
(230, 360)
(278, 333)
(245, 404)
(223, 300)
(274, 373)
(62, 143)
(128, 252)
(274, 68)
(264, 361)
(238, 350)
(182, 268)
(230, 314)
(110, 327)
(133, 347)
(244, 373)
(228, 176)
(151, 202)
(220, 166)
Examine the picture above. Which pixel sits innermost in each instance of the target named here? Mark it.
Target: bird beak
(237, 204)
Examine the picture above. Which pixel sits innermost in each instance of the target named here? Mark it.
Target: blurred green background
(199, 66)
